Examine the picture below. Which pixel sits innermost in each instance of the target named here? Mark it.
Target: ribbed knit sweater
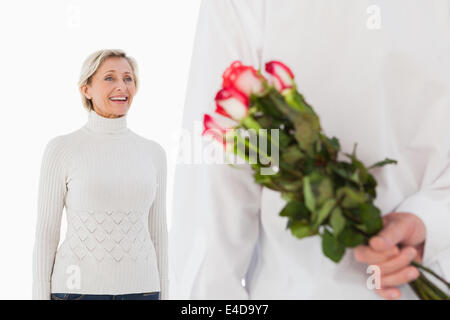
(112, 183)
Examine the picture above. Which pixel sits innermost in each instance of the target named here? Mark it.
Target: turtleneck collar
(113, 126)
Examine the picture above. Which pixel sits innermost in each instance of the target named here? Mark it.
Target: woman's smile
(120, 99)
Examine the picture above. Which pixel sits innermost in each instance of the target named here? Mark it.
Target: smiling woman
(112, 183)
(108, 83)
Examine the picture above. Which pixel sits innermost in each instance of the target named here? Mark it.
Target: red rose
(243, 78)
(282, 76)
(214, 129)
(232, 103)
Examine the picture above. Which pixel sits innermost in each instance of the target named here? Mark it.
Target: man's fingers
(389, 293)
(392, 234)
(399, 278)
(399, 262)
(366, 254)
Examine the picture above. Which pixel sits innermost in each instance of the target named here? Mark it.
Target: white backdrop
(43, 44)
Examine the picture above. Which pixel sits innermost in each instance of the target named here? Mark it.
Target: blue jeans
(130, 296)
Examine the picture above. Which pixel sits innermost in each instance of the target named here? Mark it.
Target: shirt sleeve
(429, 148)
(432, 204)
(157, 221)
(51, 193)
(216, 208)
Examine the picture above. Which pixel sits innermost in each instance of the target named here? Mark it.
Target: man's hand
(400, 241)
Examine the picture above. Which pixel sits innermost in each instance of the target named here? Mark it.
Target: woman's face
(112, 88)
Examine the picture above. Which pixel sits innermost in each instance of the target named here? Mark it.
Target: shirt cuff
(436, 216)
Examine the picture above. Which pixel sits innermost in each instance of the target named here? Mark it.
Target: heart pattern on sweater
(110, 233)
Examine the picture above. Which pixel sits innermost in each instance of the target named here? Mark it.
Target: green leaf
(307, 130)
(274, 103)
(292, 154)
(305, 121)
(359, 172)
(383, 163)
(331, 247)
(324, 212)
(355, 177)
(266, 105)
(321, 187)
(351, 198)
(334, 144)
(301, 229)
(284, 139)
(317, 189)
(288, 196)
(318, 146)
(265, 122)
(351, 238)
(310, 200)
(323, 190)
(291, 185)
(345, 171)
(370, 186)
(261, 179)
(296, 210)
(341, 171)
(329, 148)
(308, 166)
(337, 221)
(370, 217)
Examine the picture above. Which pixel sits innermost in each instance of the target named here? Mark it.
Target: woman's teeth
(119, 99)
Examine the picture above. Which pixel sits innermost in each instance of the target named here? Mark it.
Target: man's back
(377, 75)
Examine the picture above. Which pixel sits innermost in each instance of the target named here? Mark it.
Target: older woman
(112, 183)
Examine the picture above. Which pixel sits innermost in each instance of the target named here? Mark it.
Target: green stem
(432, 289)
(273, 186)
(250, 123)
(422, 292)
(253, 147)
(416, 290)
(239, 153)
(422, 267)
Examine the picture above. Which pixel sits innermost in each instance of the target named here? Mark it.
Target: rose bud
(243, 78)
(282, 76)
(216, 130)
(232, 103)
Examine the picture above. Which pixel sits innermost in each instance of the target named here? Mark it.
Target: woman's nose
(121, 85)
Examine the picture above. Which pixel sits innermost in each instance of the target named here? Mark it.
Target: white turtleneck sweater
(112, 183)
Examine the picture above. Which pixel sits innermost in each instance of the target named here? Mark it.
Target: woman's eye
(108, 78)
(128, 79)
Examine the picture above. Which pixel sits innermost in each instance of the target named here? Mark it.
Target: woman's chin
(119, 110)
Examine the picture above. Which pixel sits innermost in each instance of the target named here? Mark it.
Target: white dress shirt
(378, 74)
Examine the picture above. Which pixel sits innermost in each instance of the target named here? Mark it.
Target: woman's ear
(84, 91)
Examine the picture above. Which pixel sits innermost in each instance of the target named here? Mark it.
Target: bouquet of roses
(325, 197)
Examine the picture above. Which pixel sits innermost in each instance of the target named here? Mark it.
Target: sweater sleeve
(157, 221)
(51, 193)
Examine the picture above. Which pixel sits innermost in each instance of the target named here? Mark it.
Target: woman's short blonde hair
(93, 62)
